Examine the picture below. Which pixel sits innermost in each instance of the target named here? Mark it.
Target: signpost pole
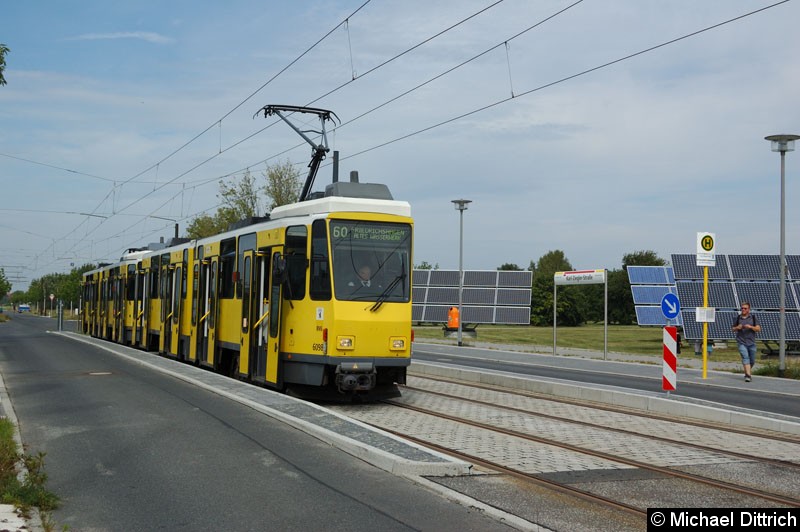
(582, 277)
(605, 315)
(555, 295)
(705, 323)
(706, 256)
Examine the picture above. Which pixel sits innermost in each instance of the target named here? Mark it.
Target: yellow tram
(317, 296)
(274, 302)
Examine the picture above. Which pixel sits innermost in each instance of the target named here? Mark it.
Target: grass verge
(29, 492)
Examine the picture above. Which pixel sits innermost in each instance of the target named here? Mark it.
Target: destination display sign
(366, 231)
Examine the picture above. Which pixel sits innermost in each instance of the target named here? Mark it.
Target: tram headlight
(397, 343)
(346, 342)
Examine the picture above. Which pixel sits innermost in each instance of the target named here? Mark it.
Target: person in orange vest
(452, 318)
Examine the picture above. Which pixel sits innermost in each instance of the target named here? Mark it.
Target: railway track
(614, 458)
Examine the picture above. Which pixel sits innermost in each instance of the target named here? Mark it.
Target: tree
(283, 184)
(243, 198)
(3, 51)
(426, 266)
(542, 292)
(204, 225)
(240, 199)
(509, 267)
(5, 285)
(18, 298)
(65, 287)
(620, 300)
(642, 258)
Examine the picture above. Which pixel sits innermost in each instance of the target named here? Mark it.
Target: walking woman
(745, 327)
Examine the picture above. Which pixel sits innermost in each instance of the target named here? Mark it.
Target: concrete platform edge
(511, 520)
(608, 395)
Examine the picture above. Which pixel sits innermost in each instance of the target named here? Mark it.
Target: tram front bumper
(355, 376)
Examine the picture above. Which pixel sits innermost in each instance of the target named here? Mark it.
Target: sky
(594, 128)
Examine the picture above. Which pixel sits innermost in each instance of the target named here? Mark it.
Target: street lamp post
(461, 206)
(782, 144)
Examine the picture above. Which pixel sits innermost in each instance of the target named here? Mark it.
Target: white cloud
(146, 36)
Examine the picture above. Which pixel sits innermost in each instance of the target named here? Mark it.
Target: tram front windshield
(371, 260)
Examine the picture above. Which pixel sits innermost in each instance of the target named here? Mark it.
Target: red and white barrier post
(670, 370)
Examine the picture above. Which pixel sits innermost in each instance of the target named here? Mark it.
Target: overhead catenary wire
(524, 93)
(158, 186)
(249, 97)
(562, 80)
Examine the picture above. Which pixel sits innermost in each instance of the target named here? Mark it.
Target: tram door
(119, 308)
(144, 312)
(258, 314)
(165, 279)
(207, 311)
(273, 277)
(198, 309)
(249, 312)
(138, 310)
(175, 312)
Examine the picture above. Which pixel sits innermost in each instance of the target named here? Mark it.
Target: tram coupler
(355, 376)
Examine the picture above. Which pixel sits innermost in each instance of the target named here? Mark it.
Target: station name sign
(580, 277)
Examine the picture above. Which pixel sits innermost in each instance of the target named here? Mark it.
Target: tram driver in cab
(365, 281)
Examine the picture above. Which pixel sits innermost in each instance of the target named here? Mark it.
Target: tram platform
(379, 448)
(401, 457)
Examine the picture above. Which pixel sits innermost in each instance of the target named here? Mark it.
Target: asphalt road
(128, 448)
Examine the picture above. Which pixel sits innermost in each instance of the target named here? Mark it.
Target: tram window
(140, 276)
(227, 262)
(320, 288)
(246, 243)
(112, 283)
(183, 281)
(296, 260)
(154, 270)
(195, 285)
(176, 297)
(185, 272)
(212, 318)
(246, 303)
(130, 283)
(384, 247)
(165, 279)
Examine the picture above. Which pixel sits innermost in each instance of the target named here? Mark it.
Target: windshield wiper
(385, 294)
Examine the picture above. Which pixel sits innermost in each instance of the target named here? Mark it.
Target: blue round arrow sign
(670, 306)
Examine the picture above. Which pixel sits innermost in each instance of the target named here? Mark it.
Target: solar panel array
(720, 329)
(649, 284)
(502, 297)
(733, 280)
